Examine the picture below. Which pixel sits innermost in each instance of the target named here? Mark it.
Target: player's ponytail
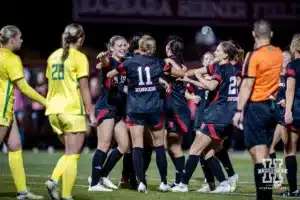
(177, 47)
(8, 32)
(70, 36)
(147, 45)
(230, 49)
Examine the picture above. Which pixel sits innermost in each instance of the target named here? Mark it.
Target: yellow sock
(59, 169)
(15, 161)
(69, 175)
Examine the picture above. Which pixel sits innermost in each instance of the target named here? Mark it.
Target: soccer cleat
(204, 188)
(53, 189)
(180, 188)
(107, 183)
(232, 182)
(291, 194)
(224, 187)
(28, 195)
(99, 188)
(142, 188)
(164, 187)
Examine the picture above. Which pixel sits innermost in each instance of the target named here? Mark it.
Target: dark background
(42, 23)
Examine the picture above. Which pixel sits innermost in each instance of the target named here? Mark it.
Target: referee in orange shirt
(255, 110)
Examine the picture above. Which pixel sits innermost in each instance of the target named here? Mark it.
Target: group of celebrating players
(143, 106)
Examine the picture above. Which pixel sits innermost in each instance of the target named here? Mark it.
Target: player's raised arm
(175, 70)
(104, 60)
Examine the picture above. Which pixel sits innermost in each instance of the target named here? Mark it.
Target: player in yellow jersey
(68, 102)
(11, 75)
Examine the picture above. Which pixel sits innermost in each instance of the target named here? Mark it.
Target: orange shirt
(264, 64)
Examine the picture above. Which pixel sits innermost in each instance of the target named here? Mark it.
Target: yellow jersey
(64, 95)
(11, 69)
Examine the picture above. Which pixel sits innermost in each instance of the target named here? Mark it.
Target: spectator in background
(38, 110)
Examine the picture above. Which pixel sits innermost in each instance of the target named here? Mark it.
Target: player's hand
(282, 103)
(196, 99)
(125, 89)
(102, 54)
(116, 80)
(93, 120)
(288, 117)
(184, 79)
(99, 65)
(237, 120)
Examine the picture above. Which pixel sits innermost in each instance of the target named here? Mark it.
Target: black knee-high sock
(206, 170)
(97, 165)
(273, 156)
(263, 190)
(111, 162)
(291, 165)
(179, 165)
(161, 162)
(147, 155)
(138, 163)
(127, 165)
(225, 160)
(189, 169)
(215, 166)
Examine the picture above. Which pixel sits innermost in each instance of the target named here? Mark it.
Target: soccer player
(292, 118)
(110, 114)
(261, 77)
(68, 101)
(11, 75)
(144, 107)
(177, 111)
(213, 129)
(280, 130)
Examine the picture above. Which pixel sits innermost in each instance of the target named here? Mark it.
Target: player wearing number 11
(144, 107)
(68, 101)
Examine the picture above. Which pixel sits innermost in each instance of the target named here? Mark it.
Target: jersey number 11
(148, 76)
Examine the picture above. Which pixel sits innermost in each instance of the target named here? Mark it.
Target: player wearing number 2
(144, 107)
(217, 116)
(68, 101)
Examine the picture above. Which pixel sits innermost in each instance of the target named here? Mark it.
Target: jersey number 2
(58, 72)
(232, 90)
(148, 76)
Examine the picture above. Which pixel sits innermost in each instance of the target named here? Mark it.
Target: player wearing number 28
(68, 100)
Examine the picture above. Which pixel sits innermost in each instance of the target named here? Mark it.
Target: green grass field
(39, 166)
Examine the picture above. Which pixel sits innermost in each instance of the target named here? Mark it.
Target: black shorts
(259, 124)
(199, 115)
(216, 131)
(178, 120)
(154, 120)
